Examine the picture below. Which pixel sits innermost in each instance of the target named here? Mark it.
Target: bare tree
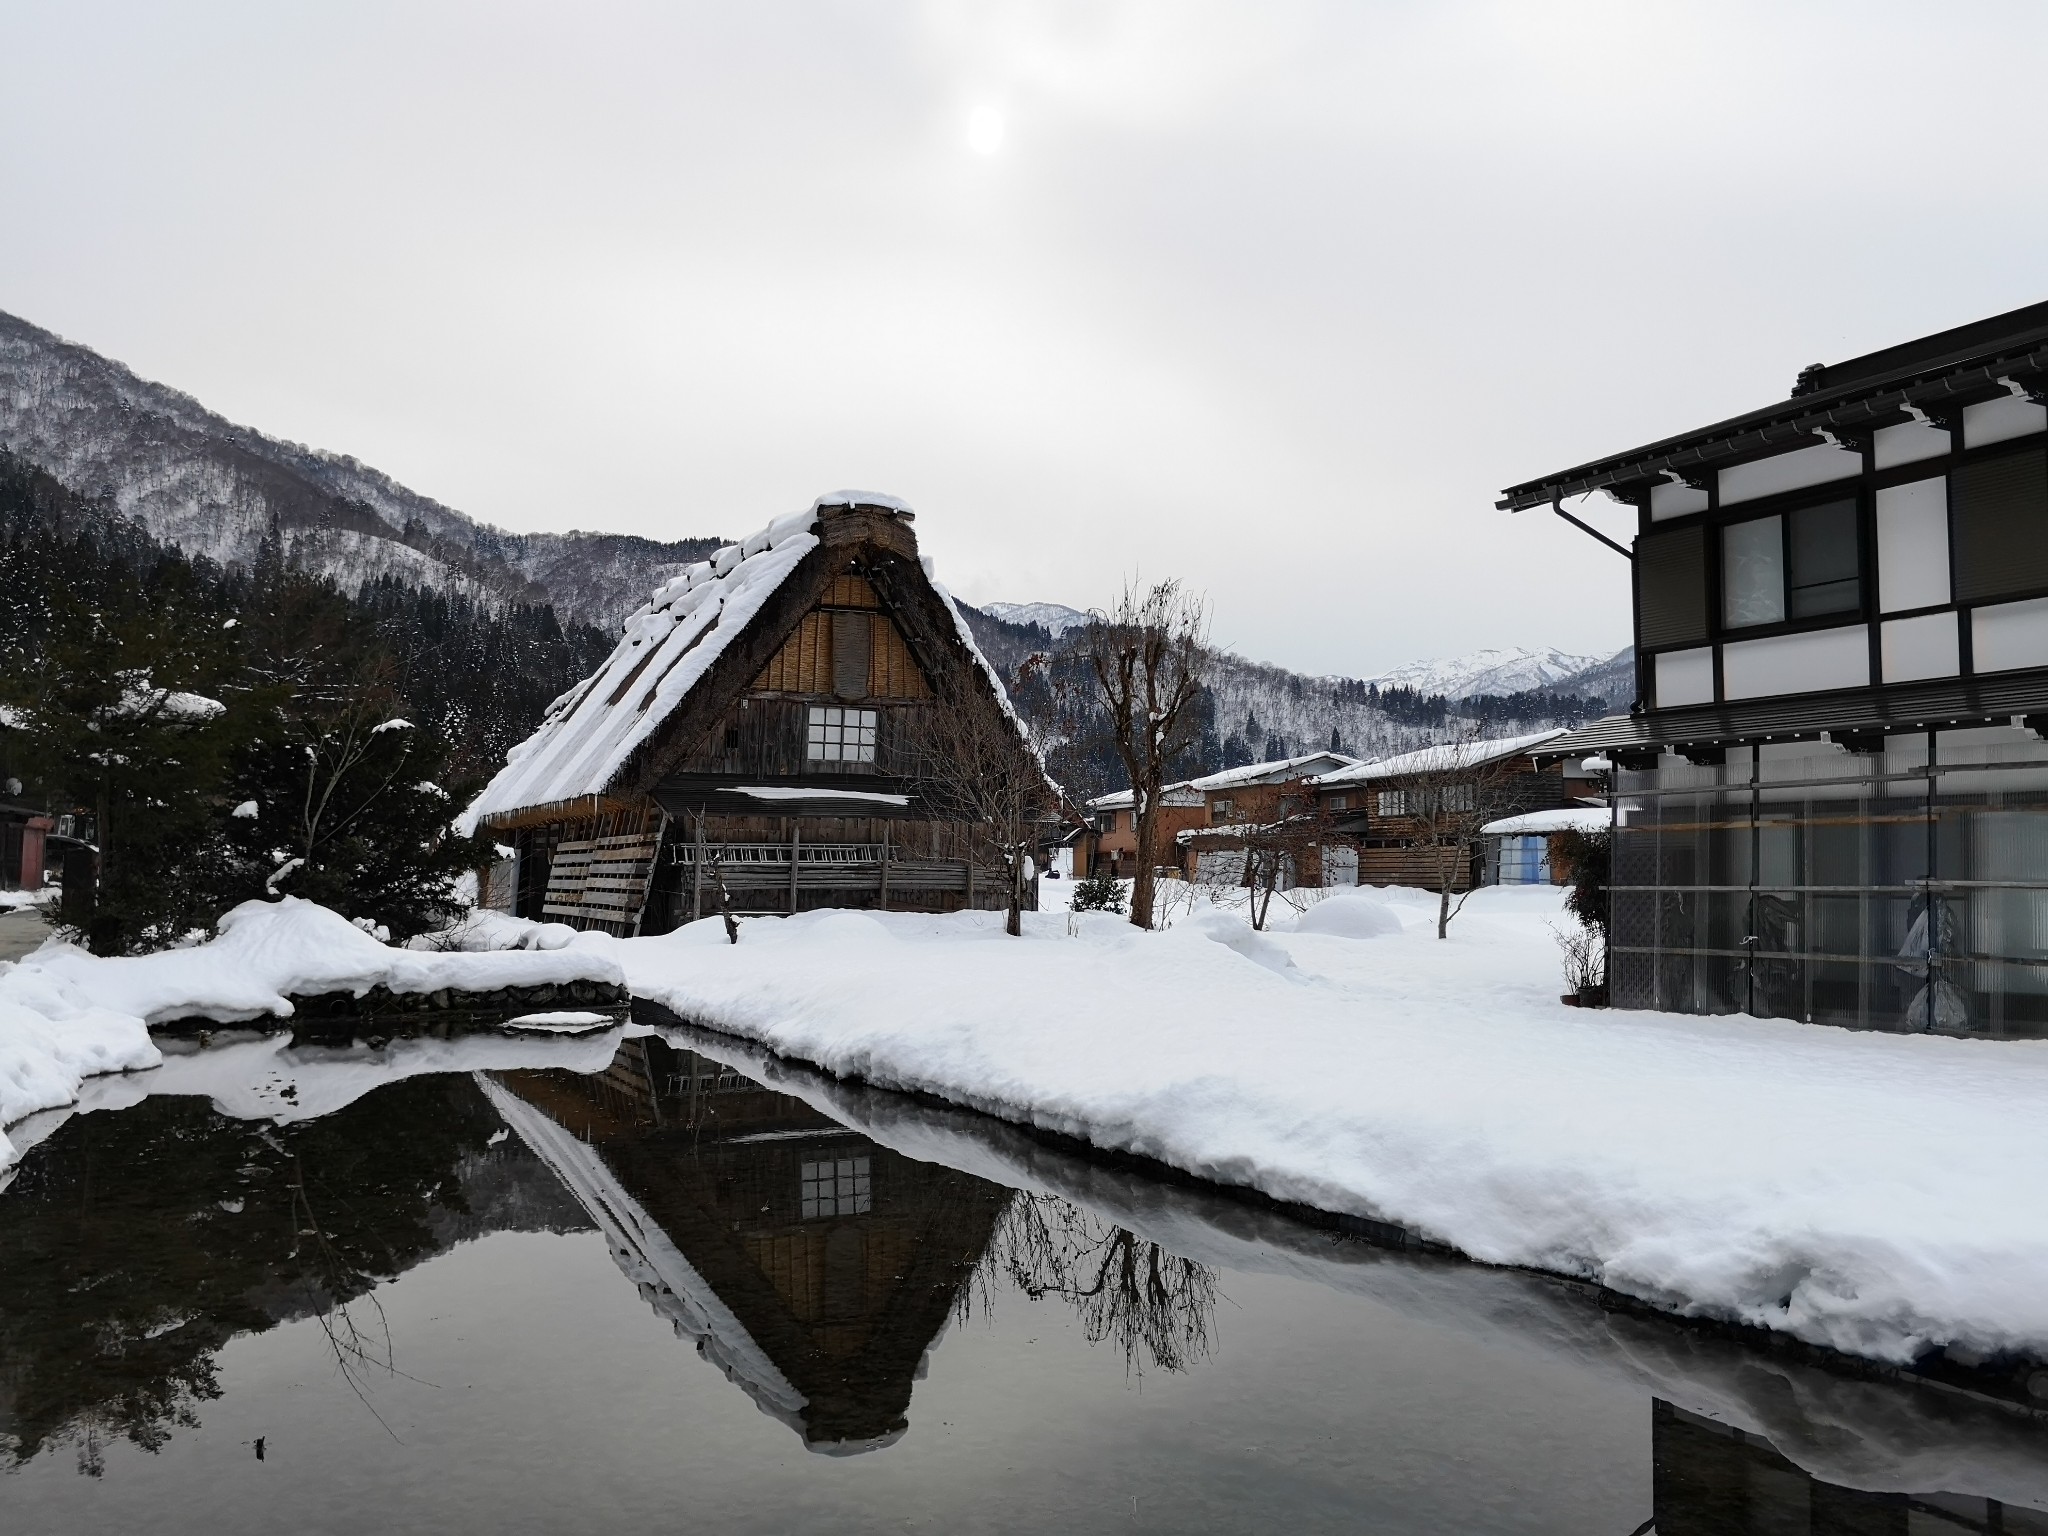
(1443, 808)
(971, 761)
(1150, 655)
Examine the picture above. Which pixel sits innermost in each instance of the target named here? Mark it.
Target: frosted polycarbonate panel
(1753, 573)
(2009, 635)
(1908, 444)
(1916, 648)
(1685, 677)
(1672, 499)
(1998, 421)
(1788, 472)
(1912, 545)
(1808, 663)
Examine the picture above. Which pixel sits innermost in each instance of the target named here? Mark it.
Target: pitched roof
(1278, 771)
(668, 646)
(1442, 758)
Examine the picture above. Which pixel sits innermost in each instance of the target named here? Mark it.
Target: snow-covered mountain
(1055, 618)
(1494, 670)
(212, 488)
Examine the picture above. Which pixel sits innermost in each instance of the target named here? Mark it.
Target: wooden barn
(786, 722)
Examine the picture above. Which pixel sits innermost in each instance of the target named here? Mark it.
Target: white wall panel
(1673, 499)
(1685, 677)
(1826, 658)
(1917, 648)
(1908, 444)
(1788, 472)
(1997, 421)
(2009, 635)
(1912, 545)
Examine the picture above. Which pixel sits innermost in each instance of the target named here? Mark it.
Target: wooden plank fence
(601, 879)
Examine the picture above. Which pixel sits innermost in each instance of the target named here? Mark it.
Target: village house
(1832, 792)
(1528, 849)
(1401, 812)
(1273, 806)
(1108, 845)
(778, 723)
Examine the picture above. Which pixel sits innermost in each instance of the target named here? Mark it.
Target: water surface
(701, 1289)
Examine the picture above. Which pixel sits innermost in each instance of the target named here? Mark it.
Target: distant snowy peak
(1056, 617)
(1494, 670)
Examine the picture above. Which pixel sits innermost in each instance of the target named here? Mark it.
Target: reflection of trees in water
(1155, 1306)
(137, 1243)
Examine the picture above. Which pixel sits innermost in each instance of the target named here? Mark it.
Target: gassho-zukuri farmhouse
(765, 728)
(1831, 796)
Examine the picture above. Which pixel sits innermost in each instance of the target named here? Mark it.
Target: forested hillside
(256, 730)
(218, 491)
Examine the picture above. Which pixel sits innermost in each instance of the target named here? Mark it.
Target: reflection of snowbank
(66, 1015)
(1871, 1193)
(1839, 1427)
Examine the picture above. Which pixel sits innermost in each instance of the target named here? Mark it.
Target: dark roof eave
(1853, 407)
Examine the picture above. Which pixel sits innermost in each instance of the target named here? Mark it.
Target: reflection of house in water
(814, 1267)
(1714, 1480)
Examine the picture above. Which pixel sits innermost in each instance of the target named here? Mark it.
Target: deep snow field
(1875, 1193)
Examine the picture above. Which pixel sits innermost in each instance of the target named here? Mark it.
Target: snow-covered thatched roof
(669, 645)
(1444, 758)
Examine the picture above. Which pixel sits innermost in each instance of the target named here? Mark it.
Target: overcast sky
(1274, 297)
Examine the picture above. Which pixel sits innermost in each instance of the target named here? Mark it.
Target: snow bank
(66, 1014)
(1359, 914)
(1870, 1193)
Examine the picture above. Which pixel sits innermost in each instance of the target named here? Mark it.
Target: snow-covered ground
(1874, 1193)
(66, 1015)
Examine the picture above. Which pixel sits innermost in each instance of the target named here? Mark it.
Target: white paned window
(1788, 472)
(835, 1187)
(1753, 573)
(1393, 802)
(1808, 663)
(1998, 421)
(835, 735)
(1917, 648)
(1907, 444)
(1912, 545)
(1685, 677)
(2010, 635)
(1220, 810)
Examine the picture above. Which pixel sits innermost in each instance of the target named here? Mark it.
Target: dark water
(667, 1296)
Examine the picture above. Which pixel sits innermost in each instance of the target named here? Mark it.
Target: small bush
(1099, 893)
(1587, 855)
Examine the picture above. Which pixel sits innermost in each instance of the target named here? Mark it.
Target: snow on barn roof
(668, 646)
(1439, 759)
(1171, 794)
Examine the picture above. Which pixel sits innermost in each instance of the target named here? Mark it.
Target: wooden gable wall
(848, 615)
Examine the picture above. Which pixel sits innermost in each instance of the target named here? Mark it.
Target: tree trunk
(1142, 882)
(1014, 926)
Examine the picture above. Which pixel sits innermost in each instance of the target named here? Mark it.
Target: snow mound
(1360, 914)
(66, 1014)
(1237, 935)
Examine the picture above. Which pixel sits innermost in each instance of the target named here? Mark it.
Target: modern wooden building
(766, 724)
(1832, 792)
(1398, 810)
(1109, 846)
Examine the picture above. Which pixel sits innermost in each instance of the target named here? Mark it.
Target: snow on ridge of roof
(1443, 756)
(863, 499)
(1275, 771)
(1565, 818)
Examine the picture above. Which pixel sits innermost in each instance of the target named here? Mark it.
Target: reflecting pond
(657, 1280)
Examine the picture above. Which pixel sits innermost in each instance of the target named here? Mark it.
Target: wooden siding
(804, 665)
